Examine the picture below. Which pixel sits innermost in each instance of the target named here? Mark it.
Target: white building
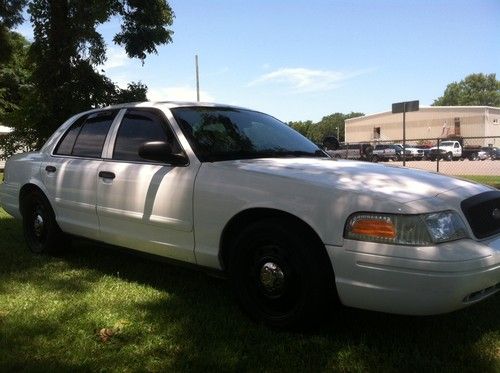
(429, 122)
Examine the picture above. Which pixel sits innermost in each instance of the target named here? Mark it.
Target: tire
(280, 276)
(375, 159)
(448, 156)
(473, 157)
(42, 234)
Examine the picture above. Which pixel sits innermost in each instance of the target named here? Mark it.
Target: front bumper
(416, 280)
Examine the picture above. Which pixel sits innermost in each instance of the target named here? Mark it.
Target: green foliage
(475, 89)
(302, 127)
(143, 26)
(330, 125)
(93, 308)
(134, 92)
(64, 56)
(10, 16)
(15, 90)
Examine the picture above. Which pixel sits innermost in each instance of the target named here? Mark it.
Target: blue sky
(300, 60)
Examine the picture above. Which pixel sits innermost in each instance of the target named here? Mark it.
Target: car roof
(172, 104)
(163, 104)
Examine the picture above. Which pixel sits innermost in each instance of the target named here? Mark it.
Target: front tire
(279, 275)
(42, 234)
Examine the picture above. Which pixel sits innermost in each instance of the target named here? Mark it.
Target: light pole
(197, 79)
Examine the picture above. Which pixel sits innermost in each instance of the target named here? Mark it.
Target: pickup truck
(351, 151)
(385, 152)
(453, 150)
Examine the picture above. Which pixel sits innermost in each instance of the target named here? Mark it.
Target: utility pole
(197, 79)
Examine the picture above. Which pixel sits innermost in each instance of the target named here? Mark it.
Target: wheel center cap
(38, 225)
(272, 277)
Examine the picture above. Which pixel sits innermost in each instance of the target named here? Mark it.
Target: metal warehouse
(430, 122)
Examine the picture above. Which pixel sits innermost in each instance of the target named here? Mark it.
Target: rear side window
(138, 127)
(86, 136)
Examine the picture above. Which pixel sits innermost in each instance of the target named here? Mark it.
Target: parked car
(413, 153)
(495, 153)
(489, 152)
(237, 191)
(446, 150)
(351, 151)
(385, 152)
(484, 153)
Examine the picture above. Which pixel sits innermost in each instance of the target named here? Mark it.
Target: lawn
(492, 180)
(97, 308)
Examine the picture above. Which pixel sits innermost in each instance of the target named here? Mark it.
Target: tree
(330, 125)
(301, 127)
(67, 49)
(475, 89)
(15, 87)
(10, 16)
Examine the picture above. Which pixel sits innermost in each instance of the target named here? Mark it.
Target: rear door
(142, 204)
(70, 175)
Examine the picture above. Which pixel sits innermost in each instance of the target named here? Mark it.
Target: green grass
(168, 318)
(484, 179)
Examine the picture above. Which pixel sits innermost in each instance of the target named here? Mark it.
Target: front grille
(483, 213)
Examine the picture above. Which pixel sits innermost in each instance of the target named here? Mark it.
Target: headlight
(414, 230)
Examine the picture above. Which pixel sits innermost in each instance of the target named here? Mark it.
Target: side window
(65, 147)
(86, 136)
(136, 128)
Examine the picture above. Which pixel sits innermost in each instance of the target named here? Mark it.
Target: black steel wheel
(279, 276)
(41, 231)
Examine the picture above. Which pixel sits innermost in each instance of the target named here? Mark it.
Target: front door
(141, 204)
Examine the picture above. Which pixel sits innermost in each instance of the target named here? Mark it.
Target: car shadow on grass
(191, 322)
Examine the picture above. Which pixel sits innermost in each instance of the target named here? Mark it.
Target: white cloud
(305, 80)
(116, 58)
(177, 93)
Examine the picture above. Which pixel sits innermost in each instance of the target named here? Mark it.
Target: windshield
(217, 134)
(447, 143)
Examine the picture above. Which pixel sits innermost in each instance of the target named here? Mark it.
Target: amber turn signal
(375, 228)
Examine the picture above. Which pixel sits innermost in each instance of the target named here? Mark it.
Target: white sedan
(235, 190)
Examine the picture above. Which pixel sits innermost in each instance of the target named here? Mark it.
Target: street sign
(406, 106)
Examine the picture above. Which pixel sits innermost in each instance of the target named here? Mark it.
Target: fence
(474, 157)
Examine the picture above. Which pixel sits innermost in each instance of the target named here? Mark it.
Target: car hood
(398, 184)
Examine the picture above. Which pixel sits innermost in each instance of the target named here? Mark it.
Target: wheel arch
(249, 216)
(27, 188)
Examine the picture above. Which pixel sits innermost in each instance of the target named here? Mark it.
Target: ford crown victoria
(236, 190)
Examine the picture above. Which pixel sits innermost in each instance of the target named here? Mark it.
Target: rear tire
(280, 276)
(42, 234)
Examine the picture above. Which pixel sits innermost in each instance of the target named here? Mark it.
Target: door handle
(106, 175)
(50, 169)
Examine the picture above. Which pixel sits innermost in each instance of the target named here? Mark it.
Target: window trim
(84, 118)
(113, 134)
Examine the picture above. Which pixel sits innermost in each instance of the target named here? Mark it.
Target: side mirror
(331, 143)
(161, 151)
